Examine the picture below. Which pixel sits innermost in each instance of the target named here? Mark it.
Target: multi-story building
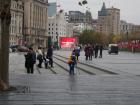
(109, 20)
(79, 17)
(126, 27)
(69, 29)
(35, 22)
(16, 26)
(94, 24)
(57, 26)
(136, 28)
(80, 27)
(52, 9)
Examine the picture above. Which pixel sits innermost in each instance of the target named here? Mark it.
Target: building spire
(103, 7)
(103, 11)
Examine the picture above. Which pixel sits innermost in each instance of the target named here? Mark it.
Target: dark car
(113, 48)
(14, 48)
(22, 49)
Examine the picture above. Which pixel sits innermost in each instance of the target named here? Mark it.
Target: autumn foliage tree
(90, 36)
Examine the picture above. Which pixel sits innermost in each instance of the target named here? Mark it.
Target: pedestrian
(30, 60)
(50, 55)
(46, 61)
(40, 57)
(96, 50)
(86, 51)
(101, 50)
(77, 52)
(90, 52)
(93, 49)
(72, 62)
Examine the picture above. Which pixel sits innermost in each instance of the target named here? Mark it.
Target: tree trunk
(5, 17)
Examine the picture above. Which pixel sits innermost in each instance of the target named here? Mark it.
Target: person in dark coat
(93, 49)
(77, 52)
(50, 55)
(101, 50)
(96, 50)
(30, 60)
(86, 52)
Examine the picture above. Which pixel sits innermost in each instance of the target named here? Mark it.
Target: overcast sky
(129, 9)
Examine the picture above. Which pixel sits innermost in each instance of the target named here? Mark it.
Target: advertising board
(68, 42)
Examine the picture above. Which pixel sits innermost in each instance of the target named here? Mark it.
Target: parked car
(22, 49)
(10, 50)
(14, 48)
(113, 48)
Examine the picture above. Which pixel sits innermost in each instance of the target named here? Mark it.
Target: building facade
(16, 26)
(109, 20)
(57, 27)
(69, 29)
(52, 9)
(35, 22)
(126, 27)
(79, 17)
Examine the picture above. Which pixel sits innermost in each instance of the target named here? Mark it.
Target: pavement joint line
(37, 68)
(119, 72)
(61, 66)
(52, 70)
(91, 73)
(110, 72)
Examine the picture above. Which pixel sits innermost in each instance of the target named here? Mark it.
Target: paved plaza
(125, 63)
(72, 90)
(51, 89)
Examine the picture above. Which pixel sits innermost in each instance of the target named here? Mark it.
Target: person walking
(40, 57)
(101, 50)
(30, 60)
(96, 50)
(72, 62)
(77, 52)
(50, 55)
(90, 52)
(86, 51)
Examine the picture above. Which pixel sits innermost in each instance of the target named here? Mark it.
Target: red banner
(68, 42)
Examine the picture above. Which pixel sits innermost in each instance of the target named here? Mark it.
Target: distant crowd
(31, 57)
(90, 50)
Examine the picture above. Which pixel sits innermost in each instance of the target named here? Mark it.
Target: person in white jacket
(40, 57)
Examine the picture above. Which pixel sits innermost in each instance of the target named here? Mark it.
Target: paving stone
(72, 90)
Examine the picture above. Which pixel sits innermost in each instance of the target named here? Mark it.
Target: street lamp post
(5, 18)
(127, 35)
(57, 41)
(38, 38)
